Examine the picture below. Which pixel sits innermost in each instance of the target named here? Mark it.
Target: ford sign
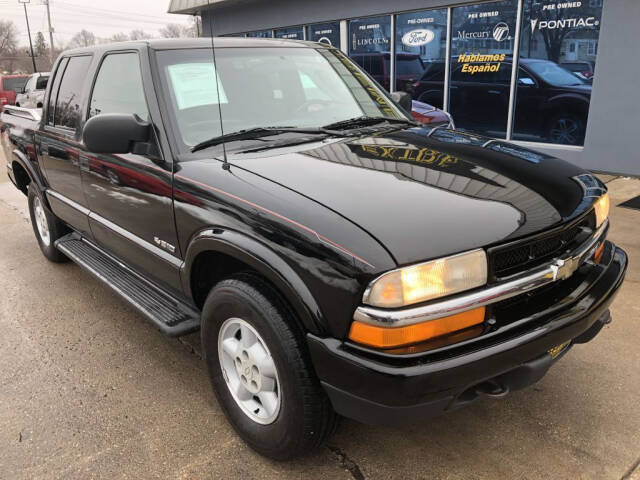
(417, 38)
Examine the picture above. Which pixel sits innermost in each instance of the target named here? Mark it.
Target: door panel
(130, 196)
(58, 145)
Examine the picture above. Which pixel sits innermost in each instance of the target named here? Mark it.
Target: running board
(170, 315)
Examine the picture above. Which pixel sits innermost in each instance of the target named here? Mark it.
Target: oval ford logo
(417, 38)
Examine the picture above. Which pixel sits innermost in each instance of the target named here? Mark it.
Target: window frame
(99, 68)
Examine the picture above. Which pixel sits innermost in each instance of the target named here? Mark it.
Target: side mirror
(115, 133)
(403, 99)
(526, 82)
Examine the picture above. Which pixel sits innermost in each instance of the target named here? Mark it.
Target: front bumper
(387, 389)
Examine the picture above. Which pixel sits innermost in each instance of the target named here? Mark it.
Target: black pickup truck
(336, 256)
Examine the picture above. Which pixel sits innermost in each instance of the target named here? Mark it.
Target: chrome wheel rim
(249, 371)
(41, 221)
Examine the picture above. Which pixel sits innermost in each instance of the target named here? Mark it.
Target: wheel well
(211, 267)
(21, 176)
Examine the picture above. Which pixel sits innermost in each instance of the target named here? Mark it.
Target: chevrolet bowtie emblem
(563, 269)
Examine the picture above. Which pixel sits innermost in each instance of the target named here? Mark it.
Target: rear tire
(46, 226)
(244, 314)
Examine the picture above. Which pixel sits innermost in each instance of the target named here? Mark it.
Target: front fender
(263, 260)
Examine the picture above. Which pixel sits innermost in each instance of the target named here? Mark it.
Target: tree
(83, 38)
(172, 30)
(118, 37)
(8, 37)
(40, 46)
(139, 34)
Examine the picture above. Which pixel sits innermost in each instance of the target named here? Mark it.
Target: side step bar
(170, 315)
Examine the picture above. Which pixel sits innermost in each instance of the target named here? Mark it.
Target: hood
(581, 89)
(426, 193)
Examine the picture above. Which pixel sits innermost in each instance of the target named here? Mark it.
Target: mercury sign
(417, 38)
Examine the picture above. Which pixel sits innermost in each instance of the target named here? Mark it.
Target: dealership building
(556, 76)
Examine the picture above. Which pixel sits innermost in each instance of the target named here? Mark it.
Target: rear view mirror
(403, 99)
(115, 133)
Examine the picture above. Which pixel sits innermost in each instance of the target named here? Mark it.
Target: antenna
(215, 75)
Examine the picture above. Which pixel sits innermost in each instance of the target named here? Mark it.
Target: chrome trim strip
(559, 269)
(158, 252)
(68, 201)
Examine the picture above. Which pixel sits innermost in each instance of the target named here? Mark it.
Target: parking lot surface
(89, 389)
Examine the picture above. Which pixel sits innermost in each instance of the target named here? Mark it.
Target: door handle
(494, 92)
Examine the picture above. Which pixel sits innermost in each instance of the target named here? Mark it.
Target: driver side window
(118, 87)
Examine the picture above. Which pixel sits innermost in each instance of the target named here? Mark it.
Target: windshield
(16, 84)
(554, 74)
(265, 87)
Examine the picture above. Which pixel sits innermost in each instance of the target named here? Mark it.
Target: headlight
(601, 208)
(426, 281)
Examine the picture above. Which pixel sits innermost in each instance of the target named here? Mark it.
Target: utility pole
(33, 58)
(46, 2)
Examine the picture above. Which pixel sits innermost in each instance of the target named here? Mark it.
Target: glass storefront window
(328, 33)
(292, 33)
(370, 45)
(558, 50)
(481, 62)
(261, 34)
(420, 50)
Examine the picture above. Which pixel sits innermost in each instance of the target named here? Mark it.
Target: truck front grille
(531, 252)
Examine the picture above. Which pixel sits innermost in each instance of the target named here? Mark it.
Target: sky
(103, 18)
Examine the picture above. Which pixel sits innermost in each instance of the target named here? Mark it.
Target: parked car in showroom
(338, 257)
(552, 103)
(10, 85)
(32, 93)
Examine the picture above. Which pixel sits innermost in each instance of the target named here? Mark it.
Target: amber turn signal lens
(597, 256)
(390, 337)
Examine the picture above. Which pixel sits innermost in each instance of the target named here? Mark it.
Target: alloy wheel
(565, 130)
(41, 221)
(249, 371)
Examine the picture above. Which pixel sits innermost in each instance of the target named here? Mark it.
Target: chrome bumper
(559, 269)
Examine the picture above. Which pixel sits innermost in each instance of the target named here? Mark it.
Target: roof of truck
(182, 43)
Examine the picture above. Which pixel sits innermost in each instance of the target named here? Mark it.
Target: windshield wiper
(364, 121)
(260, 132)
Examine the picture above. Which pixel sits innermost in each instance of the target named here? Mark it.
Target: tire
(566, 129)
(304, 417)
(41, 217)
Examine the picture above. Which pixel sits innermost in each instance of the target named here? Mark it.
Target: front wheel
(260, 372)
(46, 226)
(566, 129)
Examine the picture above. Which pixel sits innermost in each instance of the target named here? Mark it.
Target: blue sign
(328, 33)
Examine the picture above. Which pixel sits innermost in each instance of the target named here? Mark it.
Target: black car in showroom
(552, 103)
(338, 257)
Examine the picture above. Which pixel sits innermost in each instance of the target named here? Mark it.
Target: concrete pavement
(88, 389)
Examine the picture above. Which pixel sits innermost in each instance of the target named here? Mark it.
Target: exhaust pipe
(491, 389)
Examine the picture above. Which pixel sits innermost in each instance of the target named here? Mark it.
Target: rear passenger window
(69, 103)
(118, 87)
(53, 95)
